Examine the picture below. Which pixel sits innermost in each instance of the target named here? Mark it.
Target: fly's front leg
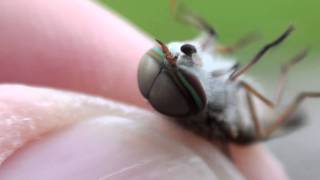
(290, 109)
(241, 43)
(184, 15)
(181, 13)
(260, 53)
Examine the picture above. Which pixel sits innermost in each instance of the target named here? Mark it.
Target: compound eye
(166, 97)
(171, 91)
(178, 94)
(149, 68)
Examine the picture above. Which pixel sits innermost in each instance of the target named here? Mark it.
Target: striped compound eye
(169, 89)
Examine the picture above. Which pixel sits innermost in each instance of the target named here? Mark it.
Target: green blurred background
(233, 19)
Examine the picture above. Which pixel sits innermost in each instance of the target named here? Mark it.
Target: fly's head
(168, 79)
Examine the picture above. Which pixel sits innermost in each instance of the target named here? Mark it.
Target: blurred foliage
(233, 19)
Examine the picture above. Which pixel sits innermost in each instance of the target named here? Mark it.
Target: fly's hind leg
(284, 74)
(263, 133)
(291, 108)
(280, 120)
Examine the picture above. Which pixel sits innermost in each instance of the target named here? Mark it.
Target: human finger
(62, 135)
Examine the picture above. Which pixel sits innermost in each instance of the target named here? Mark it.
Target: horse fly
(207, 92)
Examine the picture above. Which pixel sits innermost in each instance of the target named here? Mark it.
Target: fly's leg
(266, 132)
(241, 43)
(254, 117)
(290, 109)
(284, 74)
(184, 15)
(253, 91)
(259, 55)
(252, 110)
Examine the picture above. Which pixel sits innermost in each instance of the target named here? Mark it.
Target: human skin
(78, 46)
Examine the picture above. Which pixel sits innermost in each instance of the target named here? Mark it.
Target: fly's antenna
(258, 56)
(169, 57)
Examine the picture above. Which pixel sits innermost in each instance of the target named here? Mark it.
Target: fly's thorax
(219, 90)
(237, 115)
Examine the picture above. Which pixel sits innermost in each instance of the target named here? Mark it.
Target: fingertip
(74, 45)
(256, 162)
